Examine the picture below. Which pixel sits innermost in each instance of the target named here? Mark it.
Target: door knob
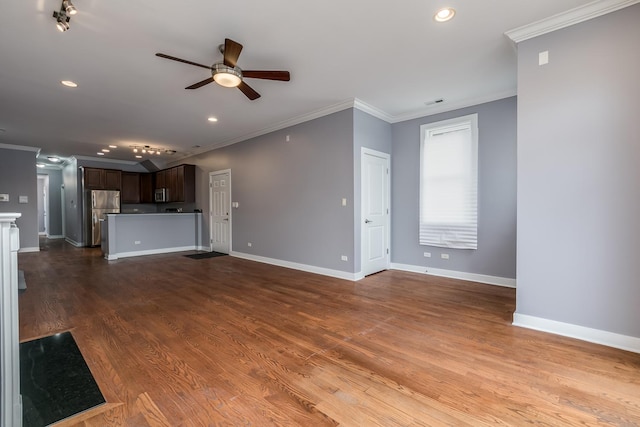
(225, 219)
(366, 221)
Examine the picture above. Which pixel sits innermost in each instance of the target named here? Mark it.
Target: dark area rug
(55, 381)
(204, 255)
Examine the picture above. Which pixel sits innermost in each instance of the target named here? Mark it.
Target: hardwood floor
(174, 341)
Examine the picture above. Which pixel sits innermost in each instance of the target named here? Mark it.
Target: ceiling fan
(228, 74)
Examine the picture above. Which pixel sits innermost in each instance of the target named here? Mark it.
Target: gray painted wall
(289, 193)
(578, 175)
(179, 230)
(496, 253)
(368, 132)
(55, 202)
(18, 178)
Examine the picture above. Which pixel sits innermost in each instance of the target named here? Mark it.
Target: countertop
(153, 213)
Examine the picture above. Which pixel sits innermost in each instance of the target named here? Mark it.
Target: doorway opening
(43, 205)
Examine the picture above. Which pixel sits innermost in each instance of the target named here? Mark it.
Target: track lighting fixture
(63, 16)
(146, 149)
(69, 8)
(62, 21)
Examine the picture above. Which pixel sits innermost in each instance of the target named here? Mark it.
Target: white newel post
(11, 401)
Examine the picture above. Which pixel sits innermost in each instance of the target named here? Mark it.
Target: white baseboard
(296, 266)
(112, 257)
(24, 250)
(55, 236)
(73, 242)
(473, 277)
(610, 339)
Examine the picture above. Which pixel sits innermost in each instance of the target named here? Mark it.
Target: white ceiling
(390, 55)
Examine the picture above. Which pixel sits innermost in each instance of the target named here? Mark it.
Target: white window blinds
(449, 183)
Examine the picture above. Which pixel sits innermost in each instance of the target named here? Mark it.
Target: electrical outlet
(249, 244)
(444, 256)
(344, 258)
(137, 242)
(427, 254)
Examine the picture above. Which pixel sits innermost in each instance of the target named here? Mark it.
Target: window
(449, 183)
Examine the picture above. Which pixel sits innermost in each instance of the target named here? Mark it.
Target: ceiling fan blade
(200, 84)
(173, 58)
(231, 52)
(248, 91)
(268, 75)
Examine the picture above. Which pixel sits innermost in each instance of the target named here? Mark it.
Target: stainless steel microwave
(161, 195)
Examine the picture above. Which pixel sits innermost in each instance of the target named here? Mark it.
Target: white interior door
(220, 211)
(375, 225)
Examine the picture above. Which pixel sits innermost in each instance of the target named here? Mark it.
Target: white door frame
(211, 175)
(45, 202)
(367, 151)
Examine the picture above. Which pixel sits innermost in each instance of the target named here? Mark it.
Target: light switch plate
(23, 199)
(543, 58)
(4, 197)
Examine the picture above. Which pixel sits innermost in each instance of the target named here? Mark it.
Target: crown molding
(445, 106)
(373, 111)
(19, 147)
(568, 18)
(278, 126)
(350, 103)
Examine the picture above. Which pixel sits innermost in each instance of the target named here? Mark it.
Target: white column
(10, 399)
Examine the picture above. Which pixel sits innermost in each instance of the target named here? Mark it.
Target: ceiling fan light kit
(228, 74)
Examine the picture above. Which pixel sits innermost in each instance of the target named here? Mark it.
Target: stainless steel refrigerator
(99, 203)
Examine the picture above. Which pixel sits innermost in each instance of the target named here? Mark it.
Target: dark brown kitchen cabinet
(146, 188)
(112, 179)
(179, 182)
(102, 179)
(185, 183)
(130, 187)
(93, 178)
(161, 179)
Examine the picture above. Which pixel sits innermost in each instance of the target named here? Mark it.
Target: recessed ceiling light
(53, 159)
(213, 119)
(113, 146)
(100, 154)
(444, 14)
(104, 150)
(69, 83)
(138, 156)
(40, 165)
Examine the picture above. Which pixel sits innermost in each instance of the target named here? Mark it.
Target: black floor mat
(204, 255)
(55, 381)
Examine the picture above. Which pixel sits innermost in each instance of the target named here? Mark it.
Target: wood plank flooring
(223, 341)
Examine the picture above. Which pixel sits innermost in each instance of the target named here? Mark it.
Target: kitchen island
(128, 235)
